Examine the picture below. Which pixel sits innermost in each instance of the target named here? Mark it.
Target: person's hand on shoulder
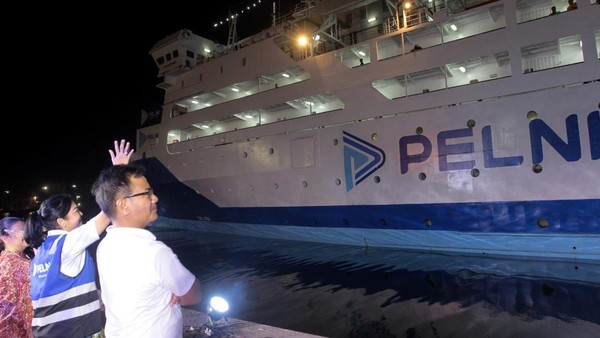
(122, 153)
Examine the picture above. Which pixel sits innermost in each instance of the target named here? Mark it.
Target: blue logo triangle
(361, 159)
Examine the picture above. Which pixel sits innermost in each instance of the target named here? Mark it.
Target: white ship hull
(498, 166)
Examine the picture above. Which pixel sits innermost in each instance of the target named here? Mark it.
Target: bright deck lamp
(217, 310)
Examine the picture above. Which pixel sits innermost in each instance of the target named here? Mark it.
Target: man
(143, 282)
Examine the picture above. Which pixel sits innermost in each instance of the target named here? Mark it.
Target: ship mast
(232, 36)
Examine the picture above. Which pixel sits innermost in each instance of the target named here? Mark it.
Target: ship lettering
(539, 130)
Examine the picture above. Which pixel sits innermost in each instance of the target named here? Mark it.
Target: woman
(16, 311)
(63, 274)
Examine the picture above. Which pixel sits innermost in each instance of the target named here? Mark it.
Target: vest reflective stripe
(67, 314)
(64, 306)
(76, 291)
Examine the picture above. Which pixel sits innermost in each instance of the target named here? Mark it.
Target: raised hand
(122, 153)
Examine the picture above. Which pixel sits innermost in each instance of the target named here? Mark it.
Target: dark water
(346, 291)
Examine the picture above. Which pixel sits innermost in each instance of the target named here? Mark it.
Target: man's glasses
(148, 193)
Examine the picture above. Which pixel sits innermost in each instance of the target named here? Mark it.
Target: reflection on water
(345, 291)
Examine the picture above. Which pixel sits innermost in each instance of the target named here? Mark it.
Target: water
(346, 291)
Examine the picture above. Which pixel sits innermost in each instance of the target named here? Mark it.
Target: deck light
(302, 40)
(217, 310)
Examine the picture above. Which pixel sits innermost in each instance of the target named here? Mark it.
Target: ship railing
(302, 9)
(417, 17)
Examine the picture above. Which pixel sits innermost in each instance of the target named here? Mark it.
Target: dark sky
(78, 80)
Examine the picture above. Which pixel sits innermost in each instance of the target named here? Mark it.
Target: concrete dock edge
(194, 320)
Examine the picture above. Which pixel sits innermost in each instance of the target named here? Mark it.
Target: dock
(193, 322)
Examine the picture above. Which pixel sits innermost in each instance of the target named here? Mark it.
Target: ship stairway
(332, 30)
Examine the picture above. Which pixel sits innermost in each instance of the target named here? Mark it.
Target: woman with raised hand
(63, 274)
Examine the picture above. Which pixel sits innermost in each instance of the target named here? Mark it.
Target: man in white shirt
(143, 282)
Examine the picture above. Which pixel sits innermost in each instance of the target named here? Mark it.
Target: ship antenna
(274, 14)
(232, 38)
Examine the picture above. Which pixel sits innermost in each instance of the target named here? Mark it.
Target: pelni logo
(361, 159)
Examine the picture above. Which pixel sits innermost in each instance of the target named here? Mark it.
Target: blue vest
(63, 306)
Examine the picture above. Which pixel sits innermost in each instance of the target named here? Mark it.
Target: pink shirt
(16, 310)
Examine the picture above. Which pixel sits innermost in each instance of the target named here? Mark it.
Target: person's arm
(193, 296)
(121, 155)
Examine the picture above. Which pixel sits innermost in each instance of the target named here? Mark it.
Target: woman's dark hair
(38, 223)
(7, 223)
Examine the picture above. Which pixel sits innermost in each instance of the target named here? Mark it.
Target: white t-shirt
(73, 253)
(137, 276)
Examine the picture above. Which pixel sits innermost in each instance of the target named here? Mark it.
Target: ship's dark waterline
(344, 291)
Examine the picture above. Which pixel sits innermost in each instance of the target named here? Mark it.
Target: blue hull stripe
(573, 216)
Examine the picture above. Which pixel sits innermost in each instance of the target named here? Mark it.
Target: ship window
(221, 69)
(175, 53)
(528, 10)
(476, 21)
(551, 54)
(160, 60)
(189, 53)
(598, 43)
(297, 108)
(168, 56)
(352, 56)
(462, 73)
(243, 61)
(363, 14)
(252, 86)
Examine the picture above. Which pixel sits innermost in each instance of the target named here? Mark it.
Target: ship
(464, 127)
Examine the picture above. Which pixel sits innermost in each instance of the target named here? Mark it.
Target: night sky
(79, 80)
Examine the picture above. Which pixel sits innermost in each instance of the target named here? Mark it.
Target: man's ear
(122, 206)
